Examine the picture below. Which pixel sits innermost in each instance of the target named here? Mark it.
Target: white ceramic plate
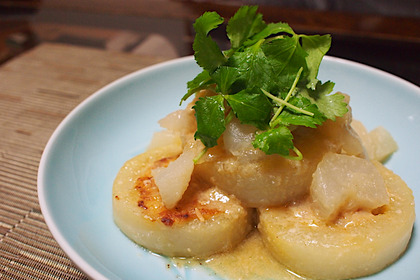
(116, 123)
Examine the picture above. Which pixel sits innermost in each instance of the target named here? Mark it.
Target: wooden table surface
(37, 90)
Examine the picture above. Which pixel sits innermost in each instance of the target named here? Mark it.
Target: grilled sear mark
(151, 202)
(205, 221)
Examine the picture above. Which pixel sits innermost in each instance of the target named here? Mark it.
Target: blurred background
(381, 33)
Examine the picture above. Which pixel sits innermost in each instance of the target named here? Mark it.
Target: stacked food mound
(266, 147)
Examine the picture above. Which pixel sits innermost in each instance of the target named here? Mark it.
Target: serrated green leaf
(210, 116)
(286, 57)
(254, 68)
(269, 30)
(201, 81)
(291, 117)
(250, 108)
(206, 51)
(207, 22)
(264, 58)
(224, 77)
(316, 47)
(331, 105)
(244, 24)
(274, 141)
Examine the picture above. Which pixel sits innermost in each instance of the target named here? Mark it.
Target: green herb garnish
(267, 79)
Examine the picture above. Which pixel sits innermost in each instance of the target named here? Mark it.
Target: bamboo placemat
(37, 90)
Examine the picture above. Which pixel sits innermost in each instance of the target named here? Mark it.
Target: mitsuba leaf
(316, 47)
(244, 24)
(250, 108)
(268, 78)
(286, 57)
(207, 22)
(331, 105)
(201, 81)
(210, 115)
(253, 67)
(224, 77)
(274, 141)
(278, 28)
(290, 117)
(206, 51)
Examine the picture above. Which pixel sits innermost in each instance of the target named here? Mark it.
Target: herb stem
(298, 153)
(257, 45)
(289, 95)
(292, 89)
(229, 117)
(281, 101)
(274, 38)
(197, 158)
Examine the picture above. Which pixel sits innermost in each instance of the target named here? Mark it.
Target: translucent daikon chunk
(379, 143)
(346, 183)
(238, 140)
(383, 145)
(173, 180)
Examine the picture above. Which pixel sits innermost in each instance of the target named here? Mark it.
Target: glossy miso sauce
(249, 260)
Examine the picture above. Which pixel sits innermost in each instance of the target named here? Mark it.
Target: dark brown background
(381, 33)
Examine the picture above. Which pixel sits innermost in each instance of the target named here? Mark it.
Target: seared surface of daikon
(204, 222)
